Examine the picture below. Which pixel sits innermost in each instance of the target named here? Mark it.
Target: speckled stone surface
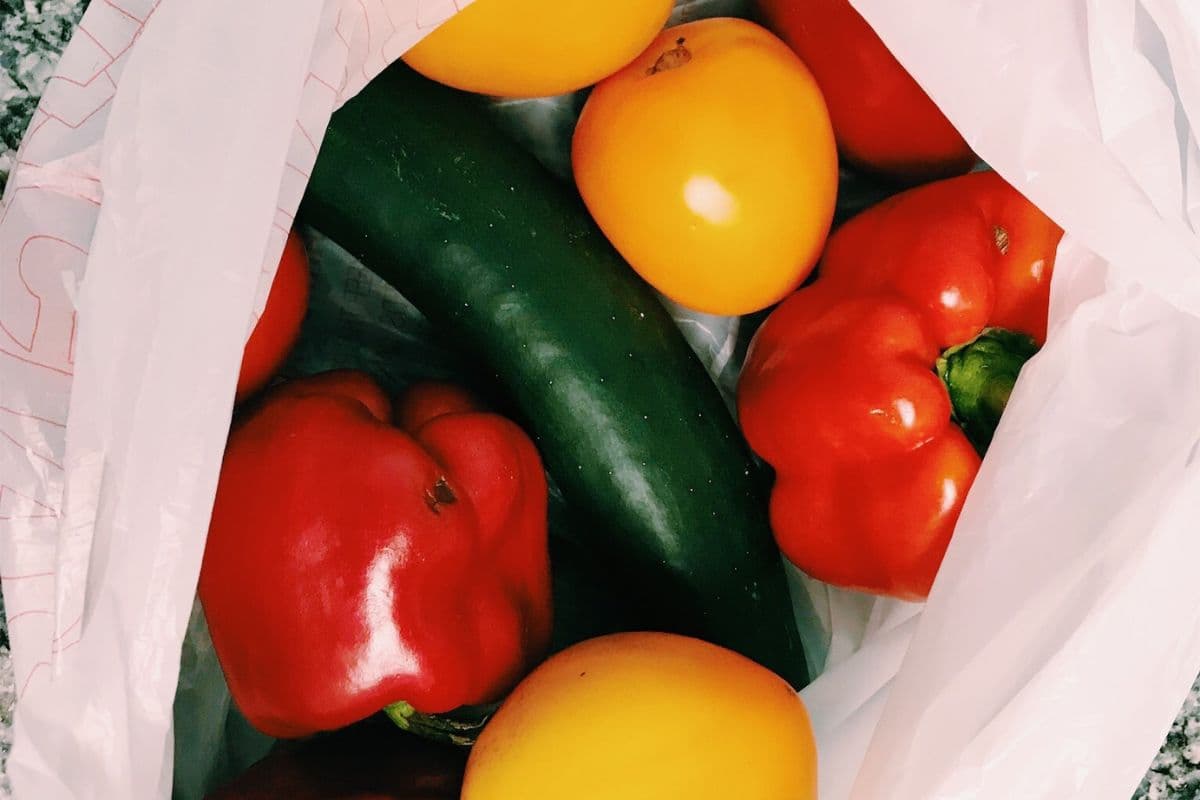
(33, 34)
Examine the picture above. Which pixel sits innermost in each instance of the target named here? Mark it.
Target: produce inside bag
(524, 304)
(567, 531)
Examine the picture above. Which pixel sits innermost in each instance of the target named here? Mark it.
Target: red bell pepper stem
(980, 376)
(459, 727)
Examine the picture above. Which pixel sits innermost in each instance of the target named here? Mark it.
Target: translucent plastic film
(1061, 634)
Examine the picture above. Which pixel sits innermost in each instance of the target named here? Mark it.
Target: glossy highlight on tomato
(709, 162)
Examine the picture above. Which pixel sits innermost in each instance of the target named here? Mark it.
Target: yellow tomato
(646, 716)
(710, 163)
(534, 48)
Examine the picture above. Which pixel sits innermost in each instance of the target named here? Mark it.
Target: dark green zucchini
(416, 181)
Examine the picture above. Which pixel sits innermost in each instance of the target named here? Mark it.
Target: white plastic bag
(165, 164)
(1061, 635)
(1048, 662)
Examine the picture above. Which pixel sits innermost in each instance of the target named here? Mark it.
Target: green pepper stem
(461, 726)
(980, 376)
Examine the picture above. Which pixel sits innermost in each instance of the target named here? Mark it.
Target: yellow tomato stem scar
(677, 56)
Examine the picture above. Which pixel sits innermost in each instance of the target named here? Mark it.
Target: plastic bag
(1060, 636)
(1048, 662)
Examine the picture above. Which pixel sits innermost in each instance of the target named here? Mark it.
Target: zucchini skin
(416, 181)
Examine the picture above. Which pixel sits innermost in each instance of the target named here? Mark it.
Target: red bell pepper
(882, 119)
(279, 326)
(352, 565)
(840, 395)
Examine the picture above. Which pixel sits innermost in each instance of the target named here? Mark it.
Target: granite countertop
(33, 34)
